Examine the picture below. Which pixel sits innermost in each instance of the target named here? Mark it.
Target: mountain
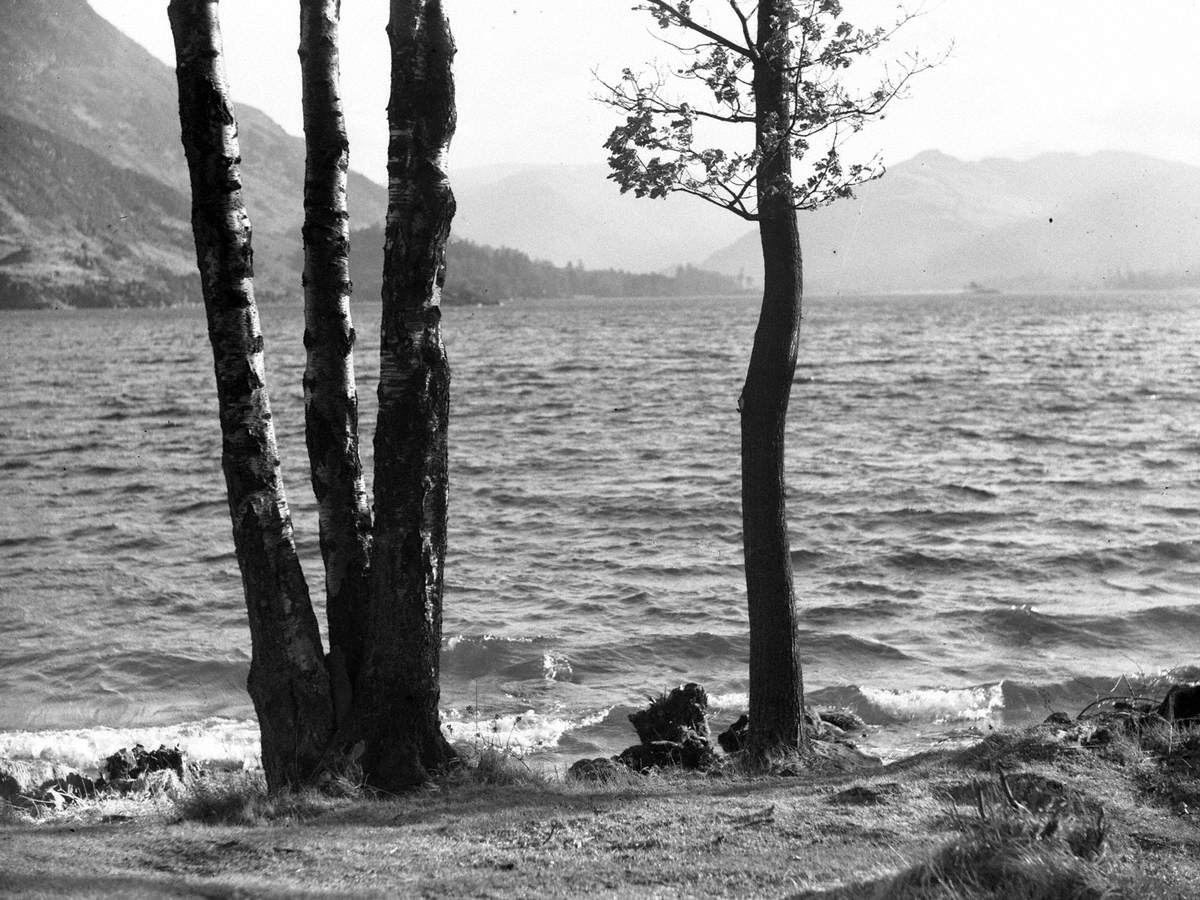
(574, 213)
(94, 195)
(94, 199)
(939, 223)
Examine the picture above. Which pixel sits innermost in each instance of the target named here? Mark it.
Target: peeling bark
(330, 396)
(396, 689)
(776, 679)
(288, 681)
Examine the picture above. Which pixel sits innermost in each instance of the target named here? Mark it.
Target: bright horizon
(1024, 77)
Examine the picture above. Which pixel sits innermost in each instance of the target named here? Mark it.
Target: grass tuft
(234, 799)
(242, 799)
(1168, 765)
(499, 766)
(11, 815)
(1013, 853)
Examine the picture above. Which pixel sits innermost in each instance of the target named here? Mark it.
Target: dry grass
(242, 798)
(1165, 763)
(498, 766)
(1010, 850)
(941, 826)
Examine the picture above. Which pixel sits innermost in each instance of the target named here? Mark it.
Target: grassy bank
(1035, 814)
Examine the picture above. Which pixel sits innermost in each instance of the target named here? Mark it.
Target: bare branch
(693, 50)
(745, 23)
(650, 97)
(737, 208)
(691, 24)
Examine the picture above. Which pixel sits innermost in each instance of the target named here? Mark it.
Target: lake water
(995, 509)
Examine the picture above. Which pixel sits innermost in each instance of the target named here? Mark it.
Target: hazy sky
(1024, 76)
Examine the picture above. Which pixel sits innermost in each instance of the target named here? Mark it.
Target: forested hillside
(476, 273)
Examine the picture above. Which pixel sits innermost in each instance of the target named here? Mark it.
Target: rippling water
(995, 508)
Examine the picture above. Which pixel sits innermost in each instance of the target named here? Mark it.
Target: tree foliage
(661, 147)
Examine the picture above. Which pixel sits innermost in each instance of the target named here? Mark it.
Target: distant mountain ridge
(95, 209)
(1056, 221)
(575, 214)
(932, 222)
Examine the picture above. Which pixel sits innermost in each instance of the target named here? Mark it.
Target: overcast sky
(1024, 76)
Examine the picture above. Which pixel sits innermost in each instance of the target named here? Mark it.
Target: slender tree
(777, 73)
(288, 681)
(379, 686)
(330, 395)
(398, 681)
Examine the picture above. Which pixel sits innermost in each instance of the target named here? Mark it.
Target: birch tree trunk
(396, 690)
(288, 681)
(330, 397)
(776, 683)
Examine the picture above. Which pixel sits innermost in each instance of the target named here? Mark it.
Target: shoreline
(898, 723)
(229, 744)
(981, 812)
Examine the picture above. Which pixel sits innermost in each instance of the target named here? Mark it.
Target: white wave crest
(520, 733)
(934, 705)
(235, 743)
(214, 741)
(734, 700)
(455, 639)
(556, 666)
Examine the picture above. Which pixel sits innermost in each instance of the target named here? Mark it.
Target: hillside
(94, 195)
(1055, 221)
(77, 229)
(94, 188)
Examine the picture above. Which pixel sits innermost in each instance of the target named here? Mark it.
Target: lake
(994, 503)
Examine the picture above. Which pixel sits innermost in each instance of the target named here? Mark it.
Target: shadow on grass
(128, 886)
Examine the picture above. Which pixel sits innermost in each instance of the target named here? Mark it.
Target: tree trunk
(288, 681)
(396, 691)
(776, 683)
(330, 397)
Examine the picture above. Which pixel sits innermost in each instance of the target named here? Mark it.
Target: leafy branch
(656, 151)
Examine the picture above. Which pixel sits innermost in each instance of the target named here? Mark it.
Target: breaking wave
(938, 706)
(234, 743)
(214, 742)
(519, 733)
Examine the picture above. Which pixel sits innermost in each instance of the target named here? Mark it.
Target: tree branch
(745, 23)
(692, 25)
(737, 208)
(649, 97)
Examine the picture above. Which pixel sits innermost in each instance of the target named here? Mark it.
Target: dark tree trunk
(776, 684)
(330, 397)
(396, 691)
(288, 681)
